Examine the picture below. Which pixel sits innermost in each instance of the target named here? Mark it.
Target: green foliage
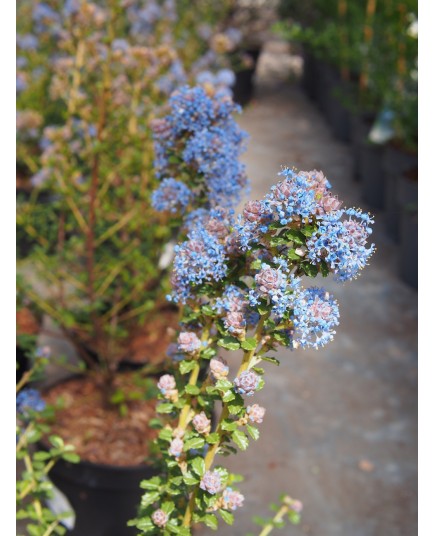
(373, 44)
(38, 452)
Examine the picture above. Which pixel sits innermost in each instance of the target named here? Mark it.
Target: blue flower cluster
(171, 196)
(294, 197)
(29, 399)
(342, 243)
(199, 260)
(273, 285)
(315, 316)
(201, 137)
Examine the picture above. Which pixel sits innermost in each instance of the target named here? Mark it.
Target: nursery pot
(408, 249)
(360, 125)
(244, 87)
(337, 114)
(372, 175)
(309, 77)
(103, 498)
(400, 189)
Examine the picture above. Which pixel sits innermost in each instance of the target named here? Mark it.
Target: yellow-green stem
(278, 517)
(209, 458)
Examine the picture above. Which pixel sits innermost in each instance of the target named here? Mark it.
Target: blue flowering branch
(239, 283)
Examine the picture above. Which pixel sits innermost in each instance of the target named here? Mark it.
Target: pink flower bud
(201, 423)
(159, 518)
(219, 368)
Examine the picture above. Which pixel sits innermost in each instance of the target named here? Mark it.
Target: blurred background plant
(371, 45)
(33, 488)
(91, 77)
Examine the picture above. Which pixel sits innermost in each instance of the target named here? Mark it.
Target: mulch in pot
(95, 428)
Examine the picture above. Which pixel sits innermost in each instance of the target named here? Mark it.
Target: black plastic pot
(396, 164)
(408, 262)
(104, 498)
(372, 175)
(326, 80)
(360, 125)
(244, 86)
(337, 114)
(309, 77)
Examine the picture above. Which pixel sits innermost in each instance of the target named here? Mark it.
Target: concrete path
(341, 423)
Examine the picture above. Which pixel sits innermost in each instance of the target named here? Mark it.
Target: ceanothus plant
(240, 288)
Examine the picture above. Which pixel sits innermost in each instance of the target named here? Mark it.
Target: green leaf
(151, 484)
(57, 441)
(253, 431)
(223, 385)
(228, 396)
(279, 240)
(186, 366)
(310, 270)
(155, 423)
(308, 230)
(192, 389)
(294, 517)
(256, 264)
(198, 466)
(293, 255)
(165, 408)
(229, 342)
(194, 443)
(165, 434)
(211, 521)
(296, 236)
(240, 439)
(41, 456)
(212, 438)
(208, 353)
(270, 360)
(227, 517)
(207, 310)
(168, 507)
(190, 479)
(235, 407)
(149, 498)
(324, 269)
(71, 457)
(249, 344)
(229, 426)
(262, 308)
(145, 524)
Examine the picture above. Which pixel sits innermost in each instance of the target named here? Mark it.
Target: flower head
(342, 244)
(201, 423)
(176, 446)
(316, 314)
(219, 368)
(29, 399)
(160, 518)
(247, 382)
(211, 482)
(255, 413)
(189, 342)
(232, 499)
(167, 386)
(171, 196)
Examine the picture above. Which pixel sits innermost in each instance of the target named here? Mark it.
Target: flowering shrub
(94, 176)
(240, 286)
(33, 487)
